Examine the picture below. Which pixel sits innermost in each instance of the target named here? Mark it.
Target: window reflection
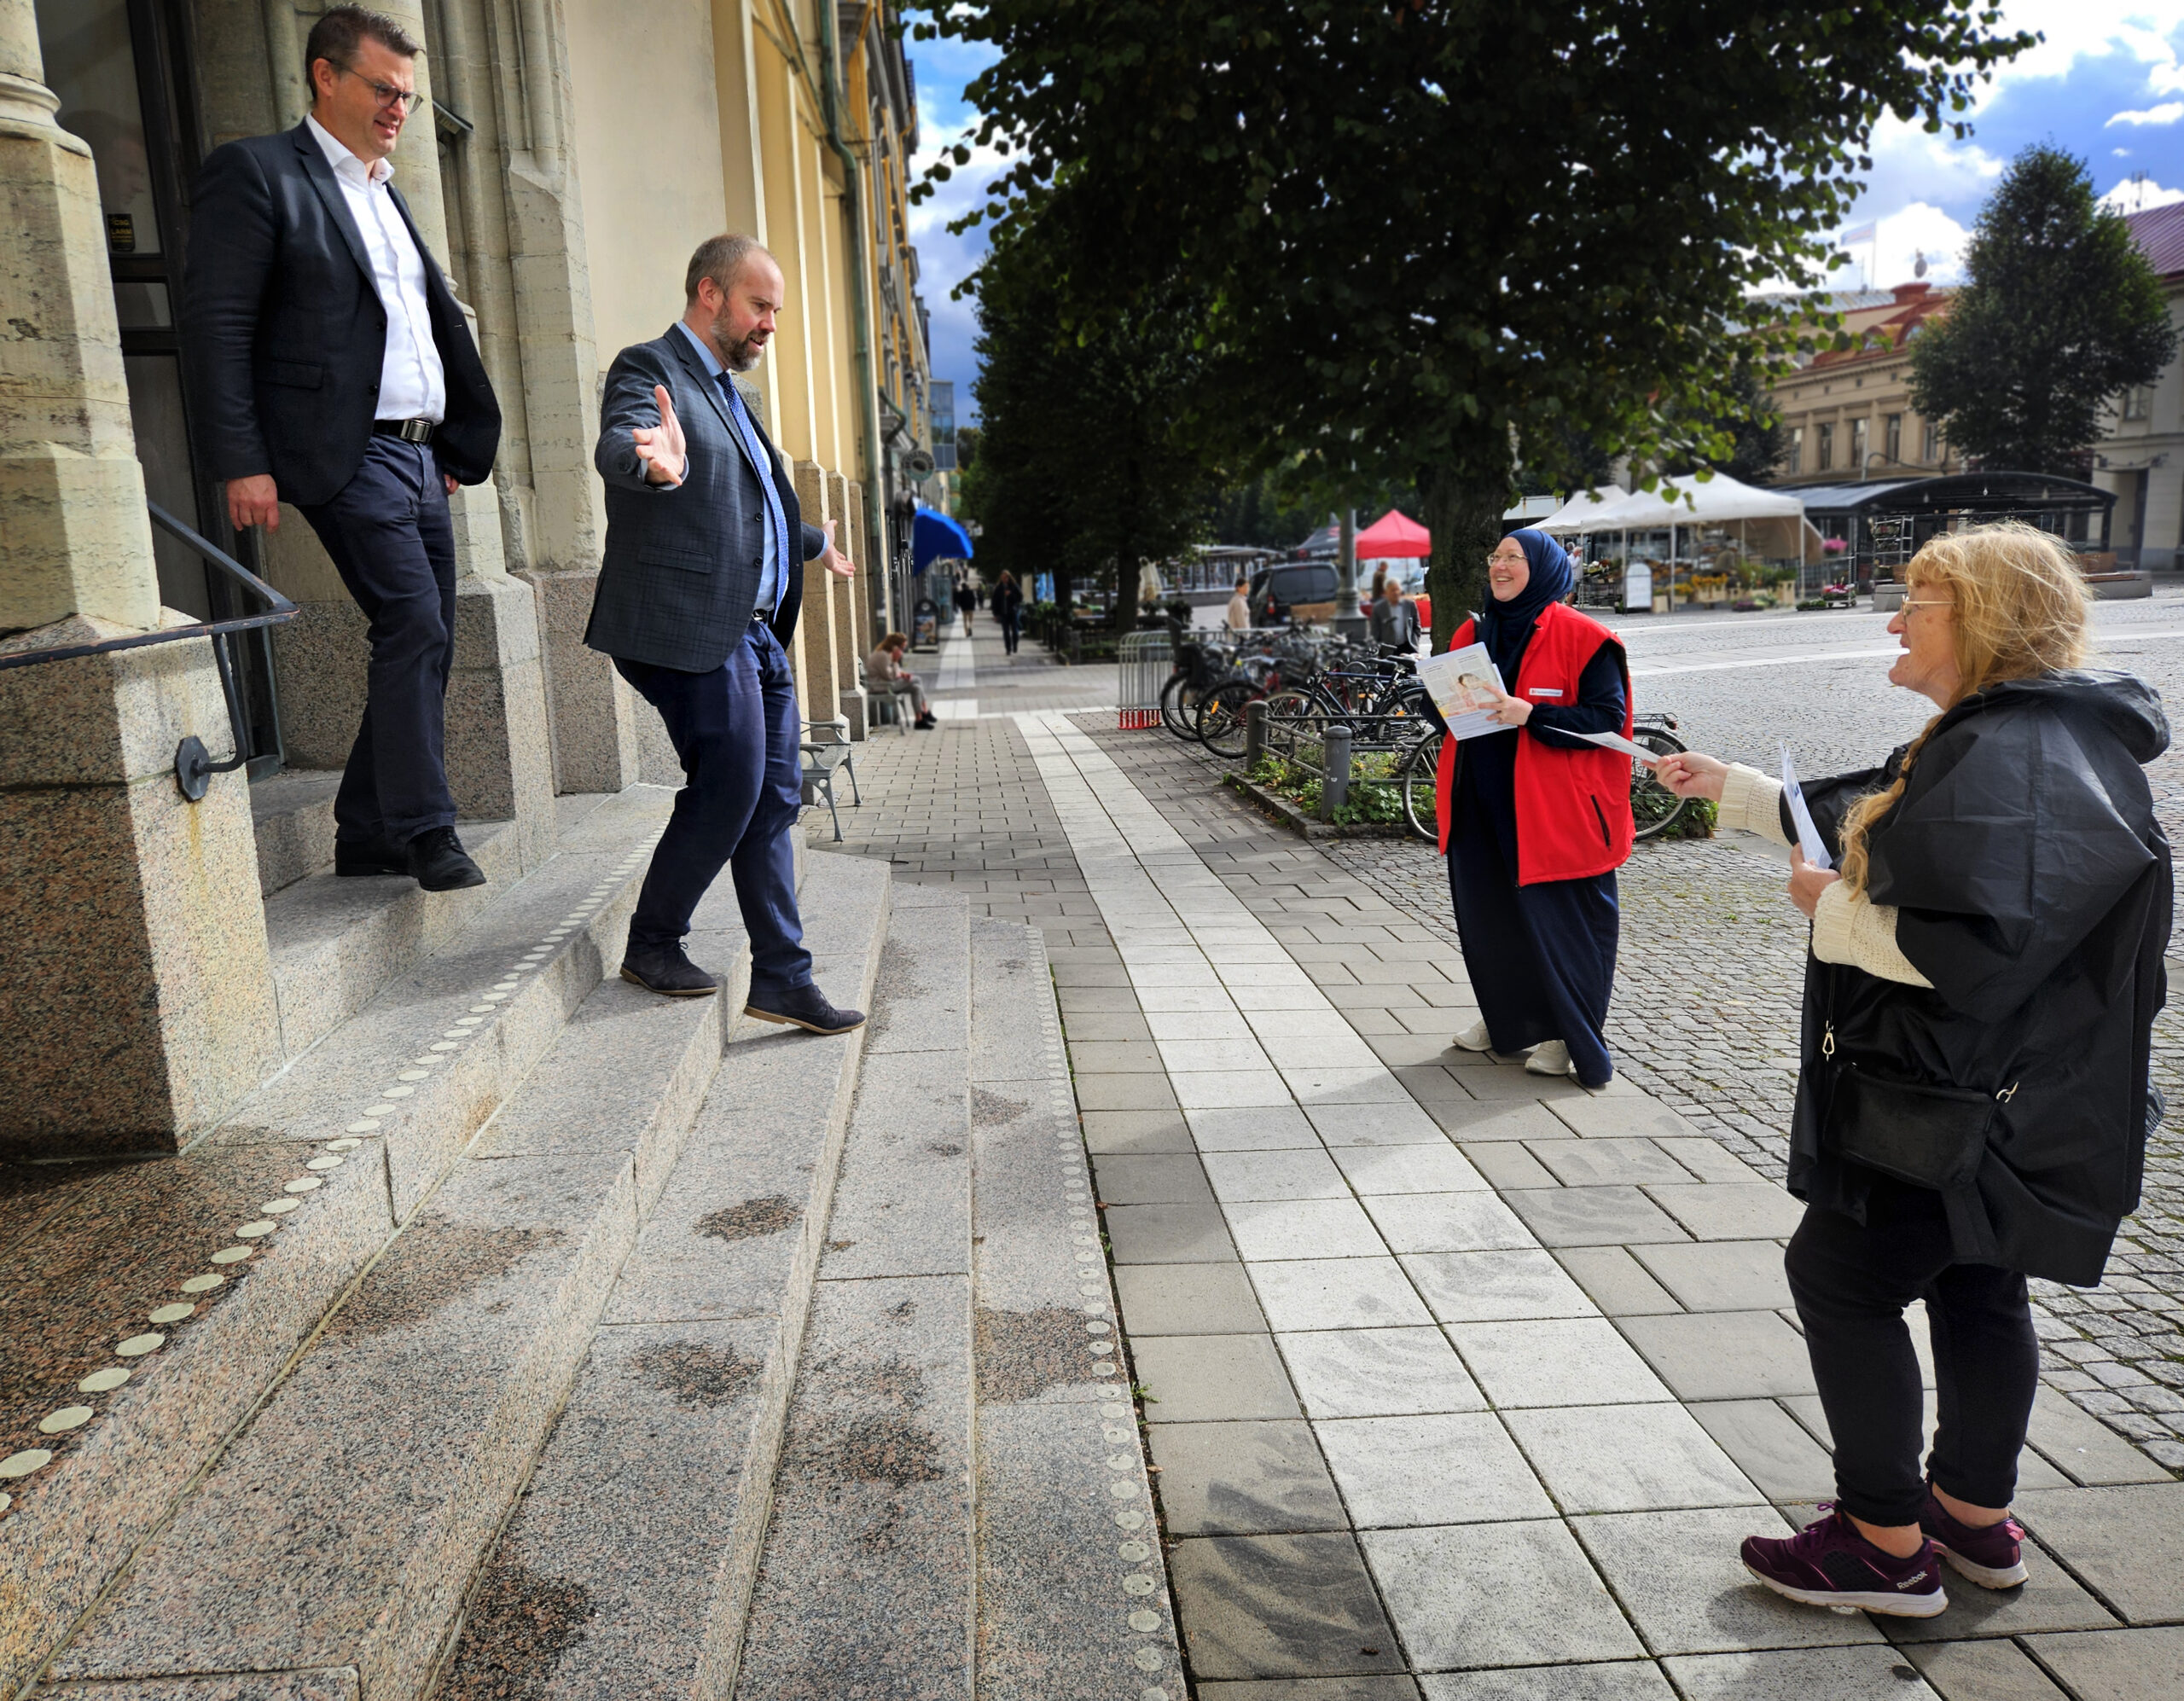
(89, 65)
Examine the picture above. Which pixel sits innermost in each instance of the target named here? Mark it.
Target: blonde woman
(1973, 1103)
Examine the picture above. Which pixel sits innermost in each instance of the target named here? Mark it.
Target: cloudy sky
(2107, 84)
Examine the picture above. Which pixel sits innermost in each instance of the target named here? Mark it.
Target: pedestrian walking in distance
(1006, 602)
(1394, 620)
(967, 603)
(698, 596)
(1973, 1100)
(331, 368)
(1534, 821)
(1239, 615)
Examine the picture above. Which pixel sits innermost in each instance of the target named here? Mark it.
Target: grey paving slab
(1707, 1158)
(1799, 1674)
(1981, 1671)
(1124, 1092)
(1168, 1235)
(1299, 1174)
(1336, 1293)
(1304, 1228)
(1522, 1084)
(1373, 1372)
(1442, 1468)
(1124, 1132)
(2084, 1447)
(1770, 1447)
(1732, 1211)
(1606, 1162)
(1628, 1459)
(1212, 1378)
(2127, 1543)
(1243, 1479)
(1721, 1275)
(1494, 1121)
(1615, 1281)
(1705, 1601)
(1420, 1168)
(1496, 1594)
(1271, 1128)
(1151, 1178)
(1312, 1689)
(2117, 1665)
(1478, 1287)
(1574, 1361)
(1186, 1299)
(1507, 1164)
(1619, 1117)
(1724, 1354)
(1389, 1124)
(2049, 1598)
(1448, 1223)
(1114, 1057)
(1101, 1027)
(1278, 1606)
(1625, 1680)
(1592, 1216)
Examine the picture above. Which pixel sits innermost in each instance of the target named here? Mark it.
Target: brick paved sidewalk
(1453, 1374)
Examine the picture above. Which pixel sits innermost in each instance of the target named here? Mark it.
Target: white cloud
(1903, 236)
(2090, 29)
(2167, 112)
(2136, 194)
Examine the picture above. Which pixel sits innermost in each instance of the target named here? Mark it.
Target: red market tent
(1394, 536)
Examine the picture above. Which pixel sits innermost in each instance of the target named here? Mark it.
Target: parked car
(1302, 592)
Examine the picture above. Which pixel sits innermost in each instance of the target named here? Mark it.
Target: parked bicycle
(1654, 808)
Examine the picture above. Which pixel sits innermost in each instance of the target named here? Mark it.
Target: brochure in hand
(1465, 685)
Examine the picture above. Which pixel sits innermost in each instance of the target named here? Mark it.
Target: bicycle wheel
(1220, 717)
(1419, 778)
(1654, 808)
(1179, 705)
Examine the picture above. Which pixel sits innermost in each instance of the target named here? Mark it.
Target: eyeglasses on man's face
(385, 93)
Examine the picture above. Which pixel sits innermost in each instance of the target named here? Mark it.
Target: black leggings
(1851, 1285)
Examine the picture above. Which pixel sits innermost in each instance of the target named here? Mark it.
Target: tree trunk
(1464, 514)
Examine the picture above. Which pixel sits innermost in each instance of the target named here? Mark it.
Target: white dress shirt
(412, 383)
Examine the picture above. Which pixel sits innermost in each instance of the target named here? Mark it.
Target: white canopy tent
(1770, 523)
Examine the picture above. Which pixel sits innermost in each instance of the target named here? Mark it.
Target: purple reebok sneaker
(1828, 1563)
(1993, 1557)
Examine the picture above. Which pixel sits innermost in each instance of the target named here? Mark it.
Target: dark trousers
(736, 731)
(388, 533)
(1008, 632)
(1851, 1284)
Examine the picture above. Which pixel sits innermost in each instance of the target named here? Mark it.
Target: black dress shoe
(805, 1006)
(663, 969)
(440, 863)
(368, 857)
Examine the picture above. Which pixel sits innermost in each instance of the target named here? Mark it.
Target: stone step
(625, 1572)
(286, 1204)
(292, 813)
(340, 1531)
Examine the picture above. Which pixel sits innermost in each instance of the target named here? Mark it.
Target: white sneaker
(1550, 1057)
(1474, 1038)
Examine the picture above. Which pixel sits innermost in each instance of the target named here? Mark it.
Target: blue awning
(935, 537)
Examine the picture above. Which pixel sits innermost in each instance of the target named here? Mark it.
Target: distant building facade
(1847, 415)
(2141, 454)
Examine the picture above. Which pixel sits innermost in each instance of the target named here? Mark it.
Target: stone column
(135, 988)
(818, 641)
(848, 597)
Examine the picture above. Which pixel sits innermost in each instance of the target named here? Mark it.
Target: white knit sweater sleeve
(1752, 802)
(1849, 928)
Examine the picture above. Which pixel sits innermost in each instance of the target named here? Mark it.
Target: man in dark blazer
(331, 368)
(697, 597)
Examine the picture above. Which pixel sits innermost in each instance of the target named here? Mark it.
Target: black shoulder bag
(1929, 1136)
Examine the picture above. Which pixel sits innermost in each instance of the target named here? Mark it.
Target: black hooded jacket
(2033, 888)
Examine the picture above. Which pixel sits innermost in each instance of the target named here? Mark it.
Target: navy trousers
(388, 533)
(737, 733)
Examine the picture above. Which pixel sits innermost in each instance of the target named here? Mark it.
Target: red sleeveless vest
(1573, 806)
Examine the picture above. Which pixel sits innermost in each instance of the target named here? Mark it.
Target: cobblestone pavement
(1705, 1013)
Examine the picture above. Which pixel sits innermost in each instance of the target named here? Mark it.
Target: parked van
(1306, 590)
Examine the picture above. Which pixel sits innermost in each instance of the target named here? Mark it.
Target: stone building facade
(571, 154)
(1847, 415)
(2140, 454)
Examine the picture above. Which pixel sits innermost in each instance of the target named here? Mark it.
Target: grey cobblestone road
(1705, 1011)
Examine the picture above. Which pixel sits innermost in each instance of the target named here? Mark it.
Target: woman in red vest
(1534, 821)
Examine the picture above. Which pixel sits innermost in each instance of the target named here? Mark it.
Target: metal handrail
(193, 766)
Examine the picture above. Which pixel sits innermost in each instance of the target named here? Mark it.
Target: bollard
(1334, 788)
(1254, 734)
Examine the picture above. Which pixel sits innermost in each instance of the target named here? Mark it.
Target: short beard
(739, 356)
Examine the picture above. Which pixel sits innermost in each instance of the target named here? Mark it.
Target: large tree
(1075, 473)
(2059, 312)
(1442, 236)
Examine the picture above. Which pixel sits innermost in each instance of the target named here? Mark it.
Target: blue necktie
(773, 582)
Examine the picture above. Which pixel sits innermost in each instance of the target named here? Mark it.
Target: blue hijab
(1506, 627)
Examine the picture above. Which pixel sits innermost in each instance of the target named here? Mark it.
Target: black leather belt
(410, 431)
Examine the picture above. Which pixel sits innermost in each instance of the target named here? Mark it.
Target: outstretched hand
(661, 450)
(833, 559)
(1689, 774)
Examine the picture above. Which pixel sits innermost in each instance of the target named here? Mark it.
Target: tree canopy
(2059, 312)
(1420, 240)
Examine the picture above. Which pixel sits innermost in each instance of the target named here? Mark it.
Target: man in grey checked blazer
(698, 598)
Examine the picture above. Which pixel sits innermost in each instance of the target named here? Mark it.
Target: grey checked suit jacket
(680, 575)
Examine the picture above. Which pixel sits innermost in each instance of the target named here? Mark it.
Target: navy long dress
(1541, 957)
